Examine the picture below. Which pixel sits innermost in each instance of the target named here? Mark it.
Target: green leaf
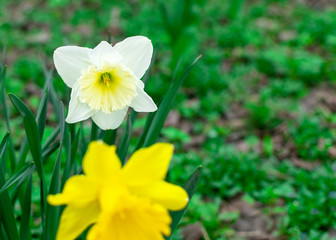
(73, 154)
(6, 209)
(26, 212)
(145, 130)
(32, 132)
(53, 213)
(3, 146)
(3, 95)
(161, 114)
(7, 212)
(19, 177)
(50, 150)
(94, 131)
(51, 138)
(5, 111)
(42, 113)
(67, 146)
(110, 136)
(20, 106)
(34, 143)
(124, 144)
(190, 186)
(41, 119)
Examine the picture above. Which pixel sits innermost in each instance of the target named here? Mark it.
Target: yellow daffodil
(123, 203)
(105, 81)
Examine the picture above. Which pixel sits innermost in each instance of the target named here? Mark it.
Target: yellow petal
(138, 220)
(75, 220)
(148, 164)
(101, 161)
(78, 190)
(168, 195)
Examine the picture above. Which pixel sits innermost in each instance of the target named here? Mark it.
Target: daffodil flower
(105, 81)
(123, 203)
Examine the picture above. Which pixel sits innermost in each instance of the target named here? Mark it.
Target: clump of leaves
(312, 138)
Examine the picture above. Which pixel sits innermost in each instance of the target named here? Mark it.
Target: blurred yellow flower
(125, 203)
(105, 81)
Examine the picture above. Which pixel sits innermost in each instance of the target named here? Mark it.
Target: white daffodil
(105, 81)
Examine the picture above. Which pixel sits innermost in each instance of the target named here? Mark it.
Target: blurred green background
(258, 111)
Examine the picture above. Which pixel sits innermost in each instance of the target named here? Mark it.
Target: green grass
(245, 100)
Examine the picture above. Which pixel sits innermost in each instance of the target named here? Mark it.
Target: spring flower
(123, 203)
(105, 81)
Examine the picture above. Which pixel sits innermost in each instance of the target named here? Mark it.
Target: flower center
(121, 209)
(106, 78)
(109, 88)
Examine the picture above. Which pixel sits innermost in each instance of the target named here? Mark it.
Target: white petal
(142, 102)
(70, 61)
(109, 121)
(104, 52)
(78, 111)
(137, 53)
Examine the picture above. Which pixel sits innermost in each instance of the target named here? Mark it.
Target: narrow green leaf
(151, 116)
(83, 143)
(41, 119)
(3, 146)
(20, 106)
(6, 209)
(51, 138)
(54, 101)
(42, 113)
(50, 150)
(34, 143)
(24, 148)
(7, 212)
(190, 186)
(32, 133)
(67, 146)
(73, 153)
(161, 114)
(124, 144)
(26, 212)
(3, 234)
(110, 136)
(19, 176)
(2, 62)
(144, 133)
(53, 213)
(5, 111)
(3, 155)
(3, 96)
(94, 131)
